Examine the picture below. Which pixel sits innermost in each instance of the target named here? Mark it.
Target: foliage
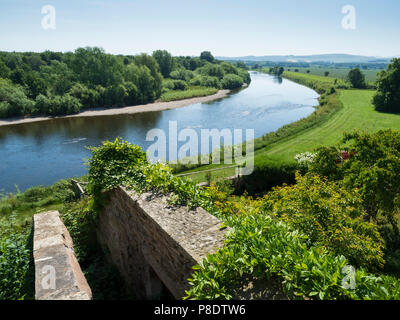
(55, 83)
(330, 216)
(373, 168)
(15, 260)
(356, 78)
(258, 245)
(206, 55)
(13, 100)
(268, 174)
(165, 61)
(264, 248)
(232, 81)
(110, 162)
(387, 98)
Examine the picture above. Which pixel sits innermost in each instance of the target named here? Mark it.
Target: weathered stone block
(58, 275)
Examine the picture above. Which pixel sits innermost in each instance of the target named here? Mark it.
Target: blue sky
(225, 27)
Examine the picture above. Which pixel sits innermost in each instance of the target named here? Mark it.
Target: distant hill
(335, 58)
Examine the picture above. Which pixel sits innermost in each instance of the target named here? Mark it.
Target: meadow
(339, 73)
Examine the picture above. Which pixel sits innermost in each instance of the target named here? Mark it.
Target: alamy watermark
(49, 280)
(188, 153)
(349, 21)
(349, 280)
(49, 20)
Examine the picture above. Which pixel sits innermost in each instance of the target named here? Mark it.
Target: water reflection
(278, 80)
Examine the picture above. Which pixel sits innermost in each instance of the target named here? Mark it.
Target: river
(43, 152)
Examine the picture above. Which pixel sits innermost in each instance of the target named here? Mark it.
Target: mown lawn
(339, 73)
(357, 114)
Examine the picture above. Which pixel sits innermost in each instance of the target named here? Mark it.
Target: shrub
(268, 174)
(232, 81)
(13, 100)
(14, 266)
(110, 162)
(330, 216)
(180, 85)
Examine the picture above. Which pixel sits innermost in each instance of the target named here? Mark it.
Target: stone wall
(58, 275)
(155, 245)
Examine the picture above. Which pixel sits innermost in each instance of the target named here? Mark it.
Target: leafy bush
(264, 248)
(232, 81)
(330, 216)
(212, 82)
(373, 168)
(268, 174)
(180, 85)
(13, 101)
(15, 260)
(356, 78)
(258, 246)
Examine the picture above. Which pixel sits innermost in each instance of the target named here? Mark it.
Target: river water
(41, 153)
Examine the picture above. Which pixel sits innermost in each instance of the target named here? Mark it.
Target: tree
(326, 73)
(206, 55)
(277, 70)
(4, 70)
(329, 215)
(13, 101)
(356, 78)
(165, 61)
(387, 98)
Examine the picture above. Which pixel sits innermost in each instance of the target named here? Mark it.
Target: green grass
(193, 92)
(340, 73)
(357, 113)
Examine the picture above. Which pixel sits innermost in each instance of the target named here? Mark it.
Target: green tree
(4, 70)
(368, 163)
(387, 98)
(232, 81)
(206, 55)
(356, 78)
(165, 61)
(13, 100)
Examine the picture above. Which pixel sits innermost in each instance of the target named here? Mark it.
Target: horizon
(255, 28)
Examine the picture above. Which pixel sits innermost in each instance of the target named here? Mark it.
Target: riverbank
(150, 107)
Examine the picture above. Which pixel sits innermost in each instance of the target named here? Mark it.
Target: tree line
(55, 83)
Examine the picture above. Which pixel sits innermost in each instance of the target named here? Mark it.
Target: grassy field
(370, 74)
(356, 113)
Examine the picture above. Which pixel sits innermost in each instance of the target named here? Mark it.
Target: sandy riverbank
(156, 106)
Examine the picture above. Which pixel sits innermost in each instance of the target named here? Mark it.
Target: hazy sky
(225, 27)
